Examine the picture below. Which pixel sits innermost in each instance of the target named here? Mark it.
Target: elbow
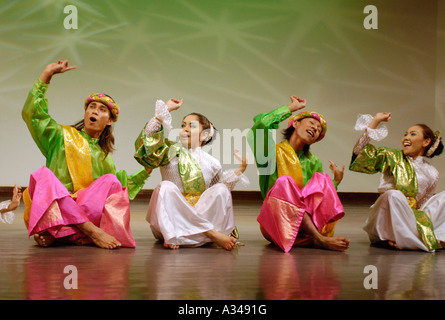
(26, 111)
(26, 116)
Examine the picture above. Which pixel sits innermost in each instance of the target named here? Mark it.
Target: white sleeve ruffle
(162, 118)
(230, 179)
(7, 217)
(363, 121)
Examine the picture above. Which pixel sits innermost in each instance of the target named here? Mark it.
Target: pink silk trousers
(285, 204)
(105, 203)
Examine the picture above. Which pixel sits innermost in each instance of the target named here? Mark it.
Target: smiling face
(97, 116)
(190, 132)
(414, 142)
(307, 130)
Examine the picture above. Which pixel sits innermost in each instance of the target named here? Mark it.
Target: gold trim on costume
(78, 158)
(288, 162)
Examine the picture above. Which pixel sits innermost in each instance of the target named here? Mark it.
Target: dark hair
(206, 124)
(287, 133)
(429, 134)
(106, 139)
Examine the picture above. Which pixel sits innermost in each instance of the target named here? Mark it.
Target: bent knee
(167, 186)
(109, 178)
(220, 188)
(393, 194)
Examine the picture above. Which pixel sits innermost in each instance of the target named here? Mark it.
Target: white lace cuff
(162, 117)
(363, 121)
(7, 217)
(230, 179)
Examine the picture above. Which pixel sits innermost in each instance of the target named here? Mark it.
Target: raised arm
(44, 130)
(372, 129)
(162, 116)
(50, 70)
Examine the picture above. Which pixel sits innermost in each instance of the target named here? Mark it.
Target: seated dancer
(192, 206)
(301, 205)
(407, 209)
(7, 207)
(78, 197)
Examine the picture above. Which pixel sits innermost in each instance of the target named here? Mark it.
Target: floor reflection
(410, 276)
(190, 274)
(299, 275)
(100, 274)
(256, 271)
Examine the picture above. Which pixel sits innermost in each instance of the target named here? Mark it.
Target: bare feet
(393, 244)
(332, 243)
(98, 236)
(44, 239)
(222, 240)
(83, 241)
(171, 246)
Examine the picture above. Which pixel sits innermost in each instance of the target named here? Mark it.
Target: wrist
(46, 76)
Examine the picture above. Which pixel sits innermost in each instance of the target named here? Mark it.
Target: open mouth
(406, 144)
(311, 133)
(92, 119)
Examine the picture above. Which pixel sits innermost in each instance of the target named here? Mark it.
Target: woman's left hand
(242, 160)
(338, 174)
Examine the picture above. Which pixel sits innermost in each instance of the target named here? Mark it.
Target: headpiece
(434, 146)
(310, 114)
(106, 100)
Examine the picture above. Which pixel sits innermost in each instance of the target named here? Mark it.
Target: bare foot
(44, 239)
(393, 244)
(98, 236)
(222, 240)
(171, 246)
(83, 241)
(332, 243)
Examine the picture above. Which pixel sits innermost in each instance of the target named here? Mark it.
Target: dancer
(408, 214)
(78, 197)
(192, 205)
(301, 205)
(7, 207)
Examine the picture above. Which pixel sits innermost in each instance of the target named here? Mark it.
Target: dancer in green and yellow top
(78, 196)
(408, 214)
(301, 205)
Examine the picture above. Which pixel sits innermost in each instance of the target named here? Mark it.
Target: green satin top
(260, 139)
(48, 135)
(372, 160)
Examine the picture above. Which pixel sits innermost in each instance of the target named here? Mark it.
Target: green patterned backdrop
(228, 59)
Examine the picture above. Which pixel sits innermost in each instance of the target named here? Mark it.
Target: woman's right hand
(174, 104)
(379, 117)
(53, 68)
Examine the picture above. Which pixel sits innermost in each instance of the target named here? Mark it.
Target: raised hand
(16, 195)
(296, 103)
(242, 160)
(174, 104)
(51, 69)
(379, 117)
(338, 174)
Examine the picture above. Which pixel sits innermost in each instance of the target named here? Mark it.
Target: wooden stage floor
(256, 271)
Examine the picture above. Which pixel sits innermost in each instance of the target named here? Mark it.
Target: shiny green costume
(49, 137)
(156, 151)
(372, 160)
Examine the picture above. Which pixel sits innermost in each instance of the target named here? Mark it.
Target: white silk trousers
(173, 220)
(391, 218)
